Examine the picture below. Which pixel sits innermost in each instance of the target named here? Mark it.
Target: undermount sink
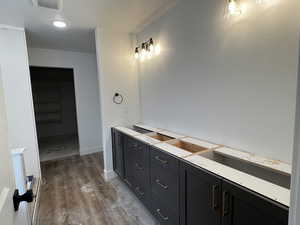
(159, 137)
(270, 175)
(140, 130)
(192, 148)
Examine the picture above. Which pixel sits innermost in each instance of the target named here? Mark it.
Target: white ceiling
(82, 15)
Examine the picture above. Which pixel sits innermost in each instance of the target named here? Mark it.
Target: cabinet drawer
(142, 192)
(165, 185)
(139, 150)
(163, 161)
(163, 213)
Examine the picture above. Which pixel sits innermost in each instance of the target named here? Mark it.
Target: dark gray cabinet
(200, 196)
(207, 198)
(164, 173)
(118, 152)
(244, 207)
(136, 169)
(179, 193)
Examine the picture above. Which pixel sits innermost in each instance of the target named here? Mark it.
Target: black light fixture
(147, 49)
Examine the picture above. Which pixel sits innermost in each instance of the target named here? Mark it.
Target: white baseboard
(87, 151)
(109, 174)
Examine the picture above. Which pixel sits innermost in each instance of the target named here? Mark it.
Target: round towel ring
(118, 98)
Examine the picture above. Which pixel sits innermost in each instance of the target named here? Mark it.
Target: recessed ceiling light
(59, 23)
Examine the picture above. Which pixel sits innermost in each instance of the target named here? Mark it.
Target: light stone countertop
(263, 187)
(276, 165)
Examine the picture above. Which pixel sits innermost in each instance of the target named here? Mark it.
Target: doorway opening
(55, 112)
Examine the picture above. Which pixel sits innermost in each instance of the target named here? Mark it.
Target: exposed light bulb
(262, 1)
(59, 24)
(143, 54)
(136, 54)
(151, 45)
(157, 49)
(233, 8)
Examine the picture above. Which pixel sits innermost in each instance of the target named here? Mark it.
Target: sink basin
(159, 137)
(140, 130)
(270, 175)
(192, 148)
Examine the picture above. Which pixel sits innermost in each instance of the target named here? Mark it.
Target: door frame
(76, 102)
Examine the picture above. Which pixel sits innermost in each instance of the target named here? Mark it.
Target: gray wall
(228, 80)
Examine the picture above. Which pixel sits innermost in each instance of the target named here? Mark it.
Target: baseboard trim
(109, 174)
(87, 151)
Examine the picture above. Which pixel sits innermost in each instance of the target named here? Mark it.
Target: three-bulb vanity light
(146, 50)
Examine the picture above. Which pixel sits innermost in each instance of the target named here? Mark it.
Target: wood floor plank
(74, 192)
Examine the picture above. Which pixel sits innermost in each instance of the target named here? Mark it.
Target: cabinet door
(117, 146)
(129, 159)
(200, 196)
(244, 207)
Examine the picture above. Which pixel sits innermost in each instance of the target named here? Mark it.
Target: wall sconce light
(234, 8)
(146, 50)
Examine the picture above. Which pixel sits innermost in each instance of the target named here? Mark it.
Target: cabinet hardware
(165, 218)
(225, 203)
(138, 166)
(215, 194)
(161, 160)
(160, 184)
(138, 189)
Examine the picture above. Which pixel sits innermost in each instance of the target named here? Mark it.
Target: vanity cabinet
(211, 200)
(244, 207)
(117, 148)
(200, 196)
(180, 193)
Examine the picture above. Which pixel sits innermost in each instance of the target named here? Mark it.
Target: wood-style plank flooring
(74, 193)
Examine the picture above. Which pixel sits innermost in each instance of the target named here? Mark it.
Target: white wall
(86, 91)
(231, 81)
(18, 98)
(117, 73)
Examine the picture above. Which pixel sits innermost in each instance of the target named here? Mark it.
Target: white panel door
(7, 185)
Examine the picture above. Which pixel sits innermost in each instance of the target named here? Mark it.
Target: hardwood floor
(75, 193)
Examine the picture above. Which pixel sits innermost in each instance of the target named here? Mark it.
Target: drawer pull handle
(138, 166)
(165, 218)
(160, 184)
(225, 203)
(161, 160)
(138, 189)
(215, 193)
